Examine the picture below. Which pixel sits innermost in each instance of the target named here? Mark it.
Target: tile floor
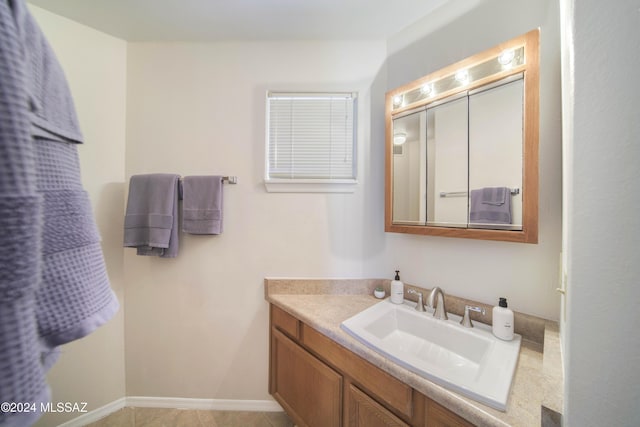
(157, 417)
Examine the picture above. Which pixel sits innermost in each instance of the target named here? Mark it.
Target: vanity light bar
(507, 60)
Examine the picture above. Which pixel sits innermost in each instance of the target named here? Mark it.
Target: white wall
(602, 94)
(92, 369)
(481, 270)
(197, 325)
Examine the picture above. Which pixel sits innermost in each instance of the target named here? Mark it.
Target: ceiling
(217, 20)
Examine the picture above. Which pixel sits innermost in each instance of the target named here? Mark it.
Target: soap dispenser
(503, 321)
(397, 289)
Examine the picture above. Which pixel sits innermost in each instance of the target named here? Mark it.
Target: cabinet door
(366, 412)
(438, 416)
(387, 390)
(308, 390)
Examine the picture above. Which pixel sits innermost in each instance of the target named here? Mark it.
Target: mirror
(462, 148)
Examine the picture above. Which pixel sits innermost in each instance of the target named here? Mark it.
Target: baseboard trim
(96, 414)
(174, 402)
(204, 404)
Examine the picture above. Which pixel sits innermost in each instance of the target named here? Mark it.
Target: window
(311, 142)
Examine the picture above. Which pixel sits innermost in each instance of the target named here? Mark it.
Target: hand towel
(53, 282)
(151, 221)
(490, 205)
(495, 196)
(202, 204)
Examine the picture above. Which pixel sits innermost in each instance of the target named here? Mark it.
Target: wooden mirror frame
(531, 130)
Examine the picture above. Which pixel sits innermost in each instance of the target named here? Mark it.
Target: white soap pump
(503, 321)
(397, 289)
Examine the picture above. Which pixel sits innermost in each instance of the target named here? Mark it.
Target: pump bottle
(503, 321)
(397, 289)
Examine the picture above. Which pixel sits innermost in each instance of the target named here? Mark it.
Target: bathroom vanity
(318, 382)
(324, 377)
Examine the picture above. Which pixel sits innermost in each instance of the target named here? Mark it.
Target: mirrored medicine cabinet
(462, 148)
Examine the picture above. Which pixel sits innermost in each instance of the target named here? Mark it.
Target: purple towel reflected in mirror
(490, 205)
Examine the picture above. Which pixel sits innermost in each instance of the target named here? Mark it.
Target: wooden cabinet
(388, 390)
(438, 416)
(320, 383)
(309, 390)
(366, 412)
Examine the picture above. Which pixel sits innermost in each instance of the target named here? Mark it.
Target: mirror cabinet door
(447, 164)
(409, 168)
(495, 157)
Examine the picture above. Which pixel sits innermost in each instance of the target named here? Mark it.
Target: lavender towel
(52, 111)
(490, 205)
(151, 221)
(495, 196)
(53, 282)
(202, 204)
(74, 297)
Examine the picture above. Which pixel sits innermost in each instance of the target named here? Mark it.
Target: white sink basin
(470, 361)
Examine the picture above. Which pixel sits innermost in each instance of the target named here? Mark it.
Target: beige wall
(92, 369)
(197, 325)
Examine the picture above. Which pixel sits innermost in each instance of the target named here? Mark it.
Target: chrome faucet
(420, 306)
(466, 320)
(436, 301)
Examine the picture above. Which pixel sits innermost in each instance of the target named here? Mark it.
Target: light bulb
(399, 138)
(506, 57)
(397, 100)
(426, 89)
(462, 76)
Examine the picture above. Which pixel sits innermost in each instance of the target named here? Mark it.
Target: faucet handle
(466, 320)
(420, 306)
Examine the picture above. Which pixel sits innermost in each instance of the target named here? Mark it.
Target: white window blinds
(311, 137)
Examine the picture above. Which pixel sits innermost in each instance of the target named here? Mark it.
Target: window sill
(311, 186)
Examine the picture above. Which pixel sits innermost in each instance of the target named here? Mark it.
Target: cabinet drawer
(366, 412)
(285, 322)
(438, 416)
(375, 381)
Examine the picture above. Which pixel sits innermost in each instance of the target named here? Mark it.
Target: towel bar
(227, 179)
(514, 191)
(230, 179)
